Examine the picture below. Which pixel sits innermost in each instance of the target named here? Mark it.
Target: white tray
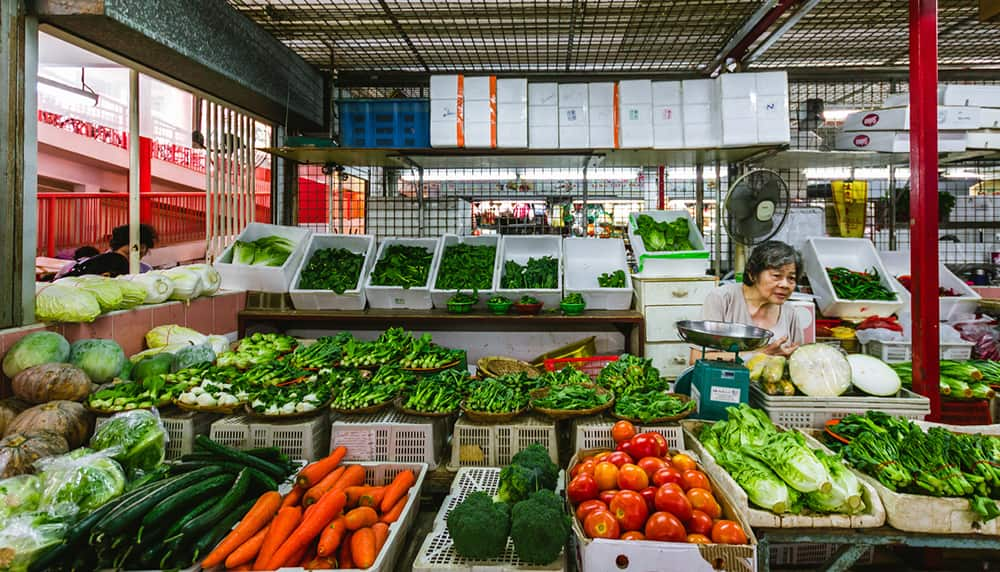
(854, 254)
(585, 260)
(668, 263)
(898, 264)
(396, 297)
(440, 297)
(353, 299)
(520, 249)
(263, 278)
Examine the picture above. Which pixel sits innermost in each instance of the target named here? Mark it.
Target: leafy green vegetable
(745, 427)
(402, 265)
(845, 495)
(153, 365)
(466, 267)
(192, 356)
(663, 235)
(530, 470)
(243, 252)
(572, 397)
(630, 374)
(59, 302)
(138, 438)
(25, 537)
(500, 300)
(787, 455)
(187, 283)
(494, 396)
(568, 375)
(336, 269)
(479, 527)
(648, 405)
(614, 279)
(762, 486)
(527, 300)
(574, 298)
(539, 528)
(79, 481)
(537, 274)
(101, 360)
(256, 349)
(18, 495)
(106, 291)
(265, 251)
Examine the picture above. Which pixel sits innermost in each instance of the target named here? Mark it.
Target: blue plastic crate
(385, 123)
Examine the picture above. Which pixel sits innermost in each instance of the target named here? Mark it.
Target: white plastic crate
(263, 278)
(520, 249)
(668, 263)
(353, 299)
(896, 352)
(391, 436)
(306, 439)
(813, 412)
(595, 433)
(397, 297)
(182, 427)
(810, 554)
(440, 297)
(897, 262)
(485, 445)
(585, 259)
(437, 552)
(857, 254)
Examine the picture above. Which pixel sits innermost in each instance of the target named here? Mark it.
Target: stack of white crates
(446, 111)
(480, 115)
(543, 115)
(512, 113)
(574, 116)
(635, 113)
(702, 125)
(668, 116)
(603, 124)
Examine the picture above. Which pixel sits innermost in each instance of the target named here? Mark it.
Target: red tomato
(607, 496)
(633, 535)
(606, 476)
(601, 524)
(625, 447)
(619, 458)
(651, 465)
(587, 467)
(702, 499)
(727, 532)
(700, 522)
(666, 475)
(698, 539)
(601, 456)
(662, 442)
(649, 495)
(631, 477)
(622, 431)
(683, 462)
(643, 445)
(587, 507)
(665, 526)
(583, 487)
(629, 509)
(674, 502)
(673, 486)
(694, 479)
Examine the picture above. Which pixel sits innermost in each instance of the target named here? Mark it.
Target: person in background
(769, 279)
(84, 252)
(114, 262)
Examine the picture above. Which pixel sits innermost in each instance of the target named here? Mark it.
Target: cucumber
(159, 473)
(260, 477)
(208, 541)
(269, 454)
(226, 505)
(206, 504)
(211, 446)
(184, 497)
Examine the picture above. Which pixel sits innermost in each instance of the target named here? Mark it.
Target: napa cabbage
(762, 486)
(788, 456)
(62, 302)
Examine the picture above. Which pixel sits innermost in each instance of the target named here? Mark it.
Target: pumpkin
(66, 418)
(51, 382)
(19, 451)
(9, 409)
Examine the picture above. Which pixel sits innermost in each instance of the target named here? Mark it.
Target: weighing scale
(715, 385)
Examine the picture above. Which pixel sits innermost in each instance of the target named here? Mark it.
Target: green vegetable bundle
(402, 265)
(266, 251)
(434, 395)
(355, 392)
(537, 274)
(630, 374)
(853, 285)
(336, 269)
(324, 352)
(958, 380)
(614, 279)
(466, 267)
(568, 375)
(257, 349)
(649, 405)
(572, 397)
(663, 235)
(494, 396)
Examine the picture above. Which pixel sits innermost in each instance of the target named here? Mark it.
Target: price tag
(725, 394)
(359, 443)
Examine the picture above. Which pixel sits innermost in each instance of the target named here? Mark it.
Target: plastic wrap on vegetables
(58, 302)
(158, 287)
(79, 482)
(18, 495)
(106, 290)
(135, 438)
(25, 537)
(820, 370)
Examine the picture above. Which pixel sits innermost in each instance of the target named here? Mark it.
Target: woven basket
(398, 403)
(496, 366)
(484, 417)
(559, 414)
(258, 415)
(364, 410)
(668, 419)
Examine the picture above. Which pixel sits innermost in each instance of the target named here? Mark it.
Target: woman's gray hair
(770, 255)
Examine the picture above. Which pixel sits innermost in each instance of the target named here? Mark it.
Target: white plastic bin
(585, 260)
(520, 249)
(898, 264)
(353, 299)
(263, 278)
(440, 297)
(668, 263)
(854, 254)
(397, 297)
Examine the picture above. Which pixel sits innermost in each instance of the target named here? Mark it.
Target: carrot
(381, 531)
(260, 515)
(313, 493)
(356, 493)
(331, 536)
(393, 514)
(310, 555)
(360, 518)
(353, 475)
(313, 473)
(363, 548)
(322, 563)
(294, 559)
(373, 498)
(328, 507)
(294, 496)
(402, 483)
(241, 567)
(284, 524)
(346, 562)
(249, 550)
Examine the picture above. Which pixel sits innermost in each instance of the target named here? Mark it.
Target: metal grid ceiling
(601, 35)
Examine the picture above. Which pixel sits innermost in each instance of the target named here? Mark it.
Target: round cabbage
(158, 287)
(211, 280)
(820, 370)
(34, 349)
(64, 303)
(187, 283)
(101, 360)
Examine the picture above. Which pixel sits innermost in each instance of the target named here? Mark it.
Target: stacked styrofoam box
(668, 123)
(772, 108)
(949, 118)
(574, 116)
(397, 297)
(353, 299)
(738, 102)
(897, 141)
(585, 259)
(700, 115)
(602, 114)
(856, 254)
(635, 111)
(543, 115)
(446, 110)
(512, 113)
(480, 116)
(520, 249)
(263, 278)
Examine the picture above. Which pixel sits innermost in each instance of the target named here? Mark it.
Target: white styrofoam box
(672, 291)
(603, 127)
(857, 254)
(298, 438)
(445, 87)
(573, 95)
(983, 139)
(976, 95)
(397, 297)
(353, 299)
(896, 141)
(595, 433)
(543, 94)
(737, 85)
(601, 94)
(391, 436)
(480, 111)
(263, 278)
(671, 358)
(738, 108)
(543, 136)
(479, 88)
(585, 260)
(440, 297)
(446, 110)
(806, 310)
(669, 264)
(445, 133)
(522, 248)
(512, 90)
(543, 115)
(512, 124)
(772, 83)
(698, 91)
(897, 262)
(635, 91)
(668, 124)
(635, 114)
(574, 128)
(493, 445)
(479, 135)
(989, 117)
(898, 119)
(660, 321)
(738, 130)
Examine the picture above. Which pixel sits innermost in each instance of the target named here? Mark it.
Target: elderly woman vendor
(768, 281)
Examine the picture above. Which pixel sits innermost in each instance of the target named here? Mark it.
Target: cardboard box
(668, 124)
(949, 118)
(701, 117)
(773, 123)
(635, 114)
(447, 108)
(896, 141)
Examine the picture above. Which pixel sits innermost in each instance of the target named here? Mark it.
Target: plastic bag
(79, 481)
(64, 303)
(880, 334)
(171, 334)
(134, 438)
(18, 495)
(984, 334)
(820, 370)
(158, 287)
(25, 537)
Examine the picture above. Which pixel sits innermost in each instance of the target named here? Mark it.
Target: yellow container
(583, 348)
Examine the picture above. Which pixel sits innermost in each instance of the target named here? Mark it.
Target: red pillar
(924, 201)
(661, 189)
(145, 179)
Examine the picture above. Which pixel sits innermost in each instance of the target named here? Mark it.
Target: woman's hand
(776, 348)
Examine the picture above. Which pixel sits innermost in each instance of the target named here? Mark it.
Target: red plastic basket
(966, 412)
(591, 366)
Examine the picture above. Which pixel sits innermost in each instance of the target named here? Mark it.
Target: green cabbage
(192, 356)
(58, 302)
(158, 287)
(133, 293)
(25, 537)
(79, 481)
(762, 486)
(210, 278)
(172, 334)
(844, 496)
(101, 360)
(243, 252)
(788, 456)
(187, 283)
(105, 290)
(34, 349)
(137, 440)
(18, 495)
(171, 349)
(746, 426)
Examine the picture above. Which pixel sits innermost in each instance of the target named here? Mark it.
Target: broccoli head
(539, 527)
(479, 527)
(536, 457)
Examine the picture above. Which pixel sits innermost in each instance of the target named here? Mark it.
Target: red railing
(72, 220)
